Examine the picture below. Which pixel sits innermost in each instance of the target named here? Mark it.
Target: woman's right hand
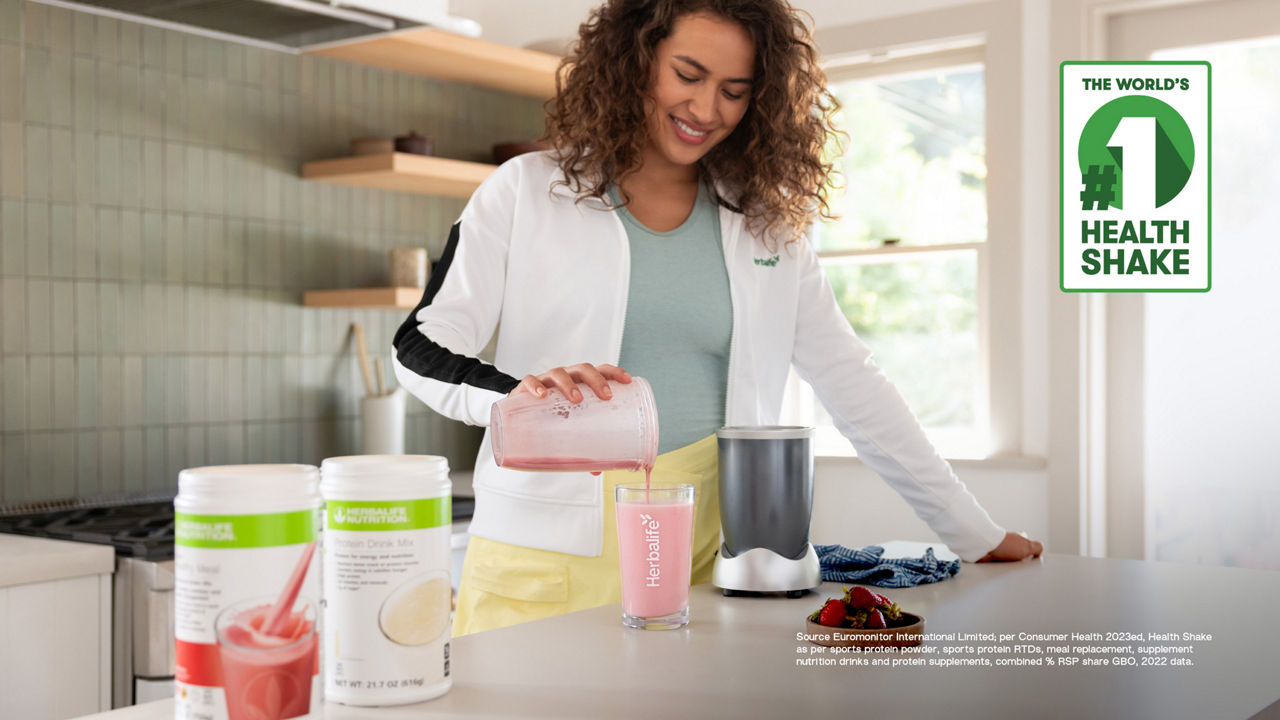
(566, 379)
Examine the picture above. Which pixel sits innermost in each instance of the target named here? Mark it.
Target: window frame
(947, 37)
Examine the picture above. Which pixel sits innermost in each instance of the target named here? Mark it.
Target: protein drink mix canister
(387, 589)
(247, 593)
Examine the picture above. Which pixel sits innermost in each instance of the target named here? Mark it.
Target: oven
(141, 530)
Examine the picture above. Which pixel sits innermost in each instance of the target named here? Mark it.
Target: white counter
(737, 659)
(55, 627)
(25, 560)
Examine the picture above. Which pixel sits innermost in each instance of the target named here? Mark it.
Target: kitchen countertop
(738, 657)
(26, 559)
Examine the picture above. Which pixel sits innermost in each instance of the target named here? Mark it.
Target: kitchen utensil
(552, 433)
(372, 146)
(413, 143)
(655, 542)
(766, 499)
(902, 636)
(377, 373)
(362, 353)
(409, 267)
(382, 423)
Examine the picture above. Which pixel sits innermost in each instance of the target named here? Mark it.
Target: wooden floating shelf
(402, 172)
(383, 298)
(443, 55)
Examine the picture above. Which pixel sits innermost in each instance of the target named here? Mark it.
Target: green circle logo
(1139, 138)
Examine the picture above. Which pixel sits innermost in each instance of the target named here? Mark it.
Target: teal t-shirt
(679, 321)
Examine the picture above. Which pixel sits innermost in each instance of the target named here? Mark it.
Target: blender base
(762, 570)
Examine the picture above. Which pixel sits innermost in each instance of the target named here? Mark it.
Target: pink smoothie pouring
(654, 545)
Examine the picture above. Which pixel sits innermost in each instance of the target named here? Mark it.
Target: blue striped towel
(840, 564)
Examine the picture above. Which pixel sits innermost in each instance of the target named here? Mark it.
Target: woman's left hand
(1014, 547)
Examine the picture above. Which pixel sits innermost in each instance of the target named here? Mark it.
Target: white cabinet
(55, 628)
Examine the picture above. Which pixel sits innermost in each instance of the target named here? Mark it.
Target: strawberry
(881, 601)
(832, 614)
(860, 597)
(876, 620)
(857, 619)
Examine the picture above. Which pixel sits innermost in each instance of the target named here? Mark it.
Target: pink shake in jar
(552, 433)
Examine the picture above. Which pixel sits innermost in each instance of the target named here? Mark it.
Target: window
(905, 258)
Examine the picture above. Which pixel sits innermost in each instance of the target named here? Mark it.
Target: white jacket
(553, 274)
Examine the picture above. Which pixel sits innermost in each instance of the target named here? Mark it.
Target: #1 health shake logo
(1134, 184)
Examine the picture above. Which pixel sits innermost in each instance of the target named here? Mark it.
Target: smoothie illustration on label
(417, 612)
(267, 648)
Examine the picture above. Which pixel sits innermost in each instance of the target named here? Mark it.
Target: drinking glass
(655, 541)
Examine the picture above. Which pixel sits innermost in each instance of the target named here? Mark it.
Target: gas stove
(140, 528)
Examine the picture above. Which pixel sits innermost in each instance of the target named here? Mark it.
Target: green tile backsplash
(155, 241)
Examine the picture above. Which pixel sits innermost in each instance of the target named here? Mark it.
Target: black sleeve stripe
(420, 354)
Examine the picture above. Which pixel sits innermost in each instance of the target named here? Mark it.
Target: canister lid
(352, 465)
(765, 432)
(384, 477)
(241, 489)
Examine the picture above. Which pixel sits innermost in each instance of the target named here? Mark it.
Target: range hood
(286, 25)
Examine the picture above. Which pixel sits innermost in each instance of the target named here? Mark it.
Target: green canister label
(387, 515)
(245, 531)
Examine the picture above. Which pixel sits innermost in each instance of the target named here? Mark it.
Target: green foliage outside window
(914, 173)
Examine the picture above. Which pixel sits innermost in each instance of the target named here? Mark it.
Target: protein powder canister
(386, 578)
(247, 593)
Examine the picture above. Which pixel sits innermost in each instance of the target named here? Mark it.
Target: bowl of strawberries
(864, 618)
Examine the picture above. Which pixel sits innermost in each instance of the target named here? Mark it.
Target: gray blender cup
(766, 500)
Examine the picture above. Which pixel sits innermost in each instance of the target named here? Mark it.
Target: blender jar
(552, 433)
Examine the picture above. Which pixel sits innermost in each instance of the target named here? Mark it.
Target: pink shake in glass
(655, 540)
(267, 676)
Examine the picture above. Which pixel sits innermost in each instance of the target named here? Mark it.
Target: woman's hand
(1015, 546)
(566, 379)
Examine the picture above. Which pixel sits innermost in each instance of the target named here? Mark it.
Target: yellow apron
(505, 584)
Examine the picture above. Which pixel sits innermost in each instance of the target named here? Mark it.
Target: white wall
(533, 22)
(852, 506)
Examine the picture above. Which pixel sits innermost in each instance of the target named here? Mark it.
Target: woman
(663, 235)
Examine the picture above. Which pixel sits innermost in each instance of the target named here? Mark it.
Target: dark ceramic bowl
(910, 633)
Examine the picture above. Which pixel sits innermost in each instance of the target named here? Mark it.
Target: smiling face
(700, 89)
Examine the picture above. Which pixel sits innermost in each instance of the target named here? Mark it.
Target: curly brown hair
(773, 166)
